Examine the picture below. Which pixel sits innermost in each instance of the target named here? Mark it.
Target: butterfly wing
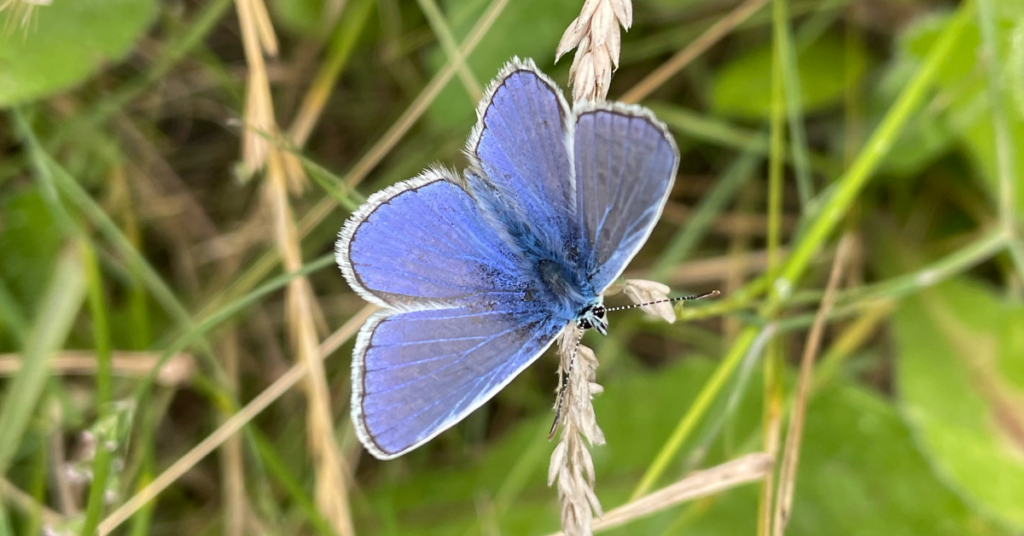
(522, 146)
(417, 373)
(457, 324)
(424, 241)
(625, 163)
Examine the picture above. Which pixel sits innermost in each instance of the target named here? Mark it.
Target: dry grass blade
(232, 459)
(791, 450)
(715, 33)
(231, 426)
(257, 38)
(331, 490)
(749, 468)
(176, 371)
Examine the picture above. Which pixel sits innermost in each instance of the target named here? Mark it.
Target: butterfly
(477, 274)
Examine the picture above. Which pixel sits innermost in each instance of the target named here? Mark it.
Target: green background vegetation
(126, 225)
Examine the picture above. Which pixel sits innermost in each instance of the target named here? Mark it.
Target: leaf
(860, 474)
(301, 17)
(30, 241)
(960, 383)
(742, 86)
(66, 42)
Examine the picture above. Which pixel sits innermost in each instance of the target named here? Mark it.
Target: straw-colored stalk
(257, 38)
(331, 492)
(704, 483)
(176, 371)
(236, 505)
(571, 464)
(791, 452)
(595, 36)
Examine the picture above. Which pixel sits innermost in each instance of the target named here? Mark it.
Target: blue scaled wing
(626, 163)
(457, 322)
(418, 373)
(425, 241)
(522, 146)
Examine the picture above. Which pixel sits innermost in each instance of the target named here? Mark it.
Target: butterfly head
(593, 317)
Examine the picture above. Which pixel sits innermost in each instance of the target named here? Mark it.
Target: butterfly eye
(599, 311)
(583, 323)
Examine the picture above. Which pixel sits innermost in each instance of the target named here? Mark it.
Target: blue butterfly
(477, 274)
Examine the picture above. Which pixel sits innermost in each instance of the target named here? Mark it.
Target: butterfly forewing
(625, 165)
(522, 147)
(425, 241)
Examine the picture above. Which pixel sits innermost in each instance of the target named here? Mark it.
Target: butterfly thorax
(561, 265)
(561, 280)
(563, 275)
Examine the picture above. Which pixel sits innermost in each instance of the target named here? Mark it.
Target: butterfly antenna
(565, 385)
(711, 294)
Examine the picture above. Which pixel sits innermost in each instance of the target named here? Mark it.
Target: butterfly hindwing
(625, 163)
(417, 373)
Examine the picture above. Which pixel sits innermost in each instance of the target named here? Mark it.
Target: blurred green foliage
(961, 111)
(66, 42)
(860, 472)
(826, 69)
(960, 380)
(30, 243)
(916, 430)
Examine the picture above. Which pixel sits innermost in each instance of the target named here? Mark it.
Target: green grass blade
(795, 115)
(104, 388)
(1006, 165)
(57, 311)
(774, 363)
(878, 146)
